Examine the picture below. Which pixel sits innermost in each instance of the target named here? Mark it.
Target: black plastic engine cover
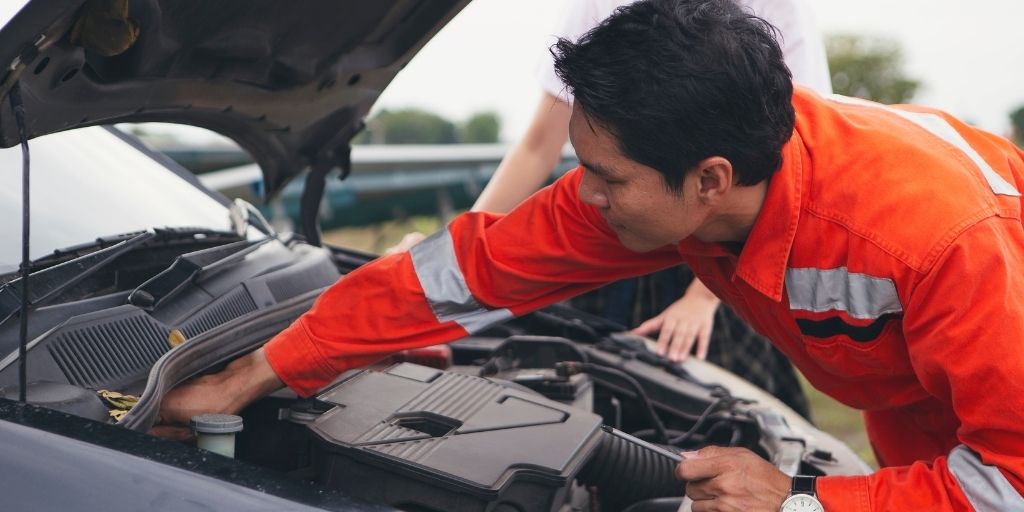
(429, 440)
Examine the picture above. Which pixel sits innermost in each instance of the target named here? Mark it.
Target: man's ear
(714, 177)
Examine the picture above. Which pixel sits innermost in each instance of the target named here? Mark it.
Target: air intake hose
(626, 470)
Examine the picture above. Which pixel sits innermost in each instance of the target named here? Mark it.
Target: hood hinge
(313, 191)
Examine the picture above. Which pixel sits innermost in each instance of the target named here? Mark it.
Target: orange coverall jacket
(887, 262)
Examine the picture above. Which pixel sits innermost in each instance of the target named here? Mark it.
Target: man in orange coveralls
(881, 248)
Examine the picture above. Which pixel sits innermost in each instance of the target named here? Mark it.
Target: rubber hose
(626, 470)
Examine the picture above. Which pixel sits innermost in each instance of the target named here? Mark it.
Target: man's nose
(592, 191)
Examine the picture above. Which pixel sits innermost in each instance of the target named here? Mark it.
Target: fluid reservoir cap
(216, 423)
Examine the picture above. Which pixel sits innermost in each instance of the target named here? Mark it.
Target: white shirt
(801, 41)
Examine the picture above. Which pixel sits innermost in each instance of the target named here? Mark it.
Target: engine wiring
(568, 368)
(723, 400)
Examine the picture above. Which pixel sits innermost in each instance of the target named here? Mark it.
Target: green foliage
(1017, 125)
(869, 68)
(409, 126)
(480, 128)
(415, 126)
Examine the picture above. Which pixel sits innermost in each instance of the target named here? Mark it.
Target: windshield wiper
(188, 268)
(52, 281)
(200, 265)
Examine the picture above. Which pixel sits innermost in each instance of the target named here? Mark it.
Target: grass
(380, 237)
(831, 416)
(845, 423)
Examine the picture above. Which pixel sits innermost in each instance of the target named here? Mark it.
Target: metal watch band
(803, 484)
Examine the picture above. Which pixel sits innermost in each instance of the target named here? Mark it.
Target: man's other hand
(245, 380)
(732, 480)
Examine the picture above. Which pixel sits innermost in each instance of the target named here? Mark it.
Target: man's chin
(635, 245)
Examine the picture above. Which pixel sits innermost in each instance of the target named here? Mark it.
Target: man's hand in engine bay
(732, 479)
(243, 381)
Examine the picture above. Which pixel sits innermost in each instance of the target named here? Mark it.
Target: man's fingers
(711, 505)
(698, 468)
(708, 462)
(171, 433)
(186, 400)
(699, 491)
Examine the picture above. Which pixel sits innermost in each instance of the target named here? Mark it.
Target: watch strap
(803, 484)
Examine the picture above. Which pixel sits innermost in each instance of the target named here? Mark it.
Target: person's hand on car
(243, 381)
(687, 322)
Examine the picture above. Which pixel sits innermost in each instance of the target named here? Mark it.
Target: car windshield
(89, 183)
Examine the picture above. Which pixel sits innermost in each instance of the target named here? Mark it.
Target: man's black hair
(677, 81)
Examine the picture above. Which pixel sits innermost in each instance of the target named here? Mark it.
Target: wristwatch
(802, 496)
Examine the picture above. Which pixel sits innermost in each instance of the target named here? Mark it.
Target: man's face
(632, 197)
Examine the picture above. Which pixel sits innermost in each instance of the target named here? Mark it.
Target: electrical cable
(700, 420)
(19, 118)
(737, 434)
(678, 436)
(568, 368)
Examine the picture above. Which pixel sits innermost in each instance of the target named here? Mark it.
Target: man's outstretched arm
(480, 270)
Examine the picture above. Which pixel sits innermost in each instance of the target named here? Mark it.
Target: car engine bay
(552, 411)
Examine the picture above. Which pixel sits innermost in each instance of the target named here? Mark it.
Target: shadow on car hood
(289, 81)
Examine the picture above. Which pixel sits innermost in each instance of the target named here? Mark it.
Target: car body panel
(68, 463)
(289, 82)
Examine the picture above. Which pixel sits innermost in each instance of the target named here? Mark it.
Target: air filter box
(422, 439)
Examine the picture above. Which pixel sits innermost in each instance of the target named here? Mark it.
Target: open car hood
(289, 81)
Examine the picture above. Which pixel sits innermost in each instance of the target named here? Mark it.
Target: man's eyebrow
(597, 169)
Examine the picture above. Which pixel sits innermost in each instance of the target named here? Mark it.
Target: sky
(968, 54)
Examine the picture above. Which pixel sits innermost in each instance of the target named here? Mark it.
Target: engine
(418, 438)
(524, 423)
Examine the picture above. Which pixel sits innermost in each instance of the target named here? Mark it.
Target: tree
(869, 68)
(415, 126)
(1017, 126)
(480, 128)
(408, 126)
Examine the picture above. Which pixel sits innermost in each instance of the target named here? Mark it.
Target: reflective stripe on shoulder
(858, 295)
(985, 487)
(945, 131)
(940, 128)
(445, 287)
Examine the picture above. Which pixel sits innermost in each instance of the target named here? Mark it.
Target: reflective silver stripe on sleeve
(445, 286)
(985, 487)
(859, 295)
(940, 128)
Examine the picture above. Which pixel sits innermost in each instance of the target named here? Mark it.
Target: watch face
(802, 503)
